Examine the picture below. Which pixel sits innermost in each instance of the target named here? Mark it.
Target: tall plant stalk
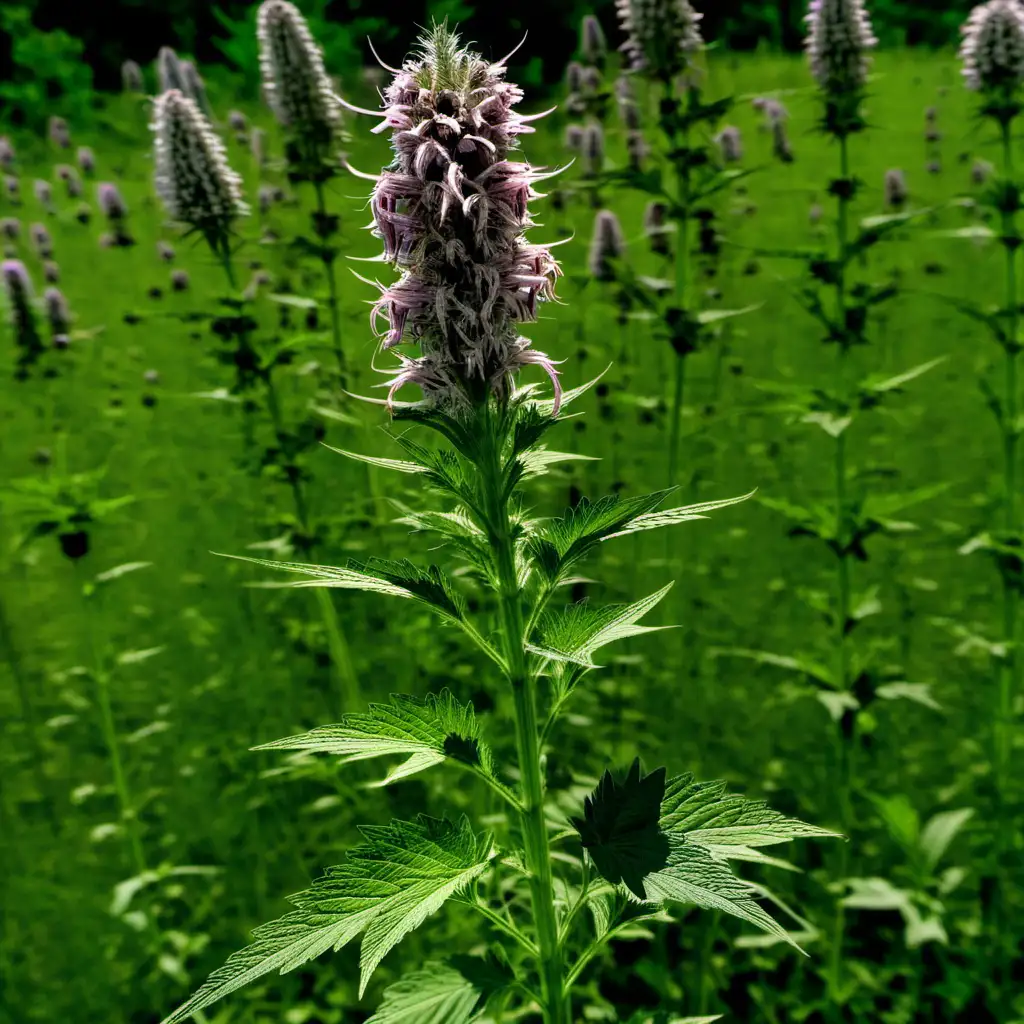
(522, 681)
(337, 643)
(323, 222)
(846, 744)
(1009, 662)
(108, 726)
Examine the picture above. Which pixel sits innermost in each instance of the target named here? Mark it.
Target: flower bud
(165, 251)
(730, 144)
(41, 240)
(656, 228)
(896, 193)
(168, 71)
(593, 44)
(195, 87)
(131, 77)
(237, 121)
(179, 280)
(58, 132)
(86, 161)
(44, 193)
(57, 314)
(6, 153)
(10, 228)
(606, 245)
(51, 272)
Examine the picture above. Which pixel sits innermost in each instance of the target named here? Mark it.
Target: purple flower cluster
(839, 37)
(662, 36)
(452, 211)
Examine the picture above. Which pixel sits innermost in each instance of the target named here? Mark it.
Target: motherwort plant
(303, 101)
(452, 211)
(993, 67)
(687, 170)
(201, 192)
(846, 677)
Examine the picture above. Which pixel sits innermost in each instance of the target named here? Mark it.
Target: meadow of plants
(763, 437)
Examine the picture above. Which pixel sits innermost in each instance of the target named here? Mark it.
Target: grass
(198, 668)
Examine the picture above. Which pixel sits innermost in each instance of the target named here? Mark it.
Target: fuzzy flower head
(59, 134)
(297, 87)
(593, 45)
(57, 313)
(168, 71)
(131, 76)
(41, 240)
(593, 148)
(193, 178)
(662, 36)
(607, 245)
(6, 153)
(452, 211)
(17, 288)
(86, 160)
(110, 200)
(730, 144)
(992, 49)
(895, 187)
(839, 37)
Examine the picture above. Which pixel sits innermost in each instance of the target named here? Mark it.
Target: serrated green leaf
(887, 384)
(453, 992)
(674, 516)
(711, 316)
(399, 465)
(120, 570)
(577, 632)
(619, 828)
(398, 579)
(705, 814)
(428, 732)
(388, 886)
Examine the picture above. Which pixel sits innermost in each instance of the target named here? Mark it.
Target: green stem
(102, 680)
(337, 642)
(332, 284)
(682, 281)
(532, 818)
(677, 418)
(842, 671)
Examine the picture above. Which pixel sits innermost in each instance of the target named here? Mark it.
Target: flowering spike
(193, 178)
(839, 37)
(452, 211)
(593, 44)
(57, 313)
(168, 71)
(896, 193)
(43, 192)
(12, 186)
(780, 142)
(17, 286)
(41, 240)
(574, 76)
(86, 160)
(656, 228)
(59, 134)
(662, 36)
(297, 87)
(730, 144)
(51, 272)
(195, 87)
(607, 244)
(637, 149)
(992, 49)
(237, 121)
(10, 228)
(179, 280)
(593, 148)
(6, 153)
(131, 76)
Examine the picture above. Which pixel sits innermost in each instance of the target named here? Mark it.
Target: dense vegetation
(856, 668)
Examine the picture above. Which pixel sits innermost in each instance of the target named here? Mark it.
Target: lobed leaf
(388, 886)
(577, 632)
(428, 731)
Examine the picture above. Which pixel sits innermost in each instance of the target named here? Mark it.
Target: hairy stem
(532, 817)
(332, 284)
